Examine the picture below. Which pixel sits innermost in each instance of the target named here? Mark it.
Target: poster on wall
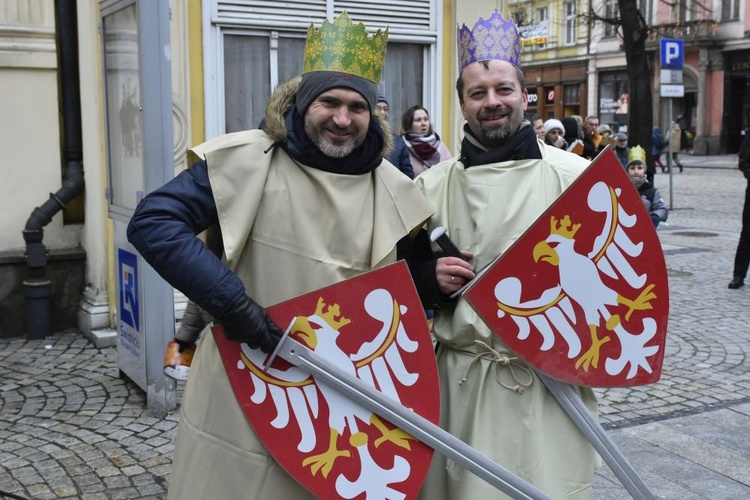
(614, 100)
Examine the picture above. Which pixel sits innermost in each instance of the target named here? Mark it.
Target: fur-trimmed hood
(282, 101)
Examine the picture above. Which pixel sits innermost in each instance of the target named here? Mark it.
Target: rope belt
(519, 371)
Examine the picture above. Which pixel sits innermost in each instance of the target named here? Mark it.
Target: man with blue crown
(302, 204)
(503, 180)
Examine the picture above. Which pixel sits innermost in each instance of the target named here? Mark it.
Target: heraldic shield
(373, 327)
(582, 295)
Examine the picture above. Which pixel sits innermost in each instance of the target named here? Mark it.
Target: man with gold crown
(503, 180)
(304, 203)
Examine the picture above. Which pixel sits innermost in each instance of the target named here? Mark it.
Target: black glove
(655, 220)
(248, 322)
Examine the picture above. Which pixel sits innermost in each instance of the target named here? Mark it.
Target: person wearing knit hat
(651, 197)
(503, 178)
(553, 133)
(302, 204)
(400, 154)
(621, 148)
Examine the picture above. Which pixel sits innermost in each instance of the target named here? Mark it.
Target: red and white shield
(583, 294)
(372, 326)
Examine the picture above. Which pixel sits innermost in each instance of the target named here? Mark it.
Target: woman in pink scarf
(425, 148)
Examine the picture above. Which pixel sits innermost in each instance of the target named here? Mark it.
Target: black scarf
(522, 146)
(362, 160)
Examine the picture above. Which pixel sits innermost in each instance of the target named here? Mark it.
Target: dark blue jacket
(400, 156)
(163, 229)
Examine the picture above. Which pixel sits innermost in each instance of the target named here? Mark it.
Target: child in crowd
(653, 201)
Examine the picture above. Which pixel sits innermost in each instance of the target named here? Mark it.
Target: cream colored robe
(287, 229)
(485, 209)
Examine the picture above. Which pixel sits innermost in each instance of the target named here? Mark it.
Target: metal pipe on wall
(37, 287)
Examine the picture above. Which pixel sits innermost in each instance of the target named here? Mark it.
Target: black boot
(736, 282)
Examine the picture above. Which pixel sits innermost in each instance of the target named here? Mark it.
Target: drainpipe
(37, 287)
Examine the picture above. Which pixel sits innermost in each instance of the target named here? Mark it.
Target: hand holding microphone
(450, 275)
(439, 235)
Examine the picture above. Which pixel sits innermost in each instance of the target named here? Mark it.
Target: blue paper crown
(494, 38)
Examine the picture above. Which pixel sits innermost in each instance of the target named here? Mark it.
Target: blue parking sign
(672, 53)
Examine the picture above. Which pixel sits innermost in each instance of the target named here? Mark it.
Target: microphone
(439, 235)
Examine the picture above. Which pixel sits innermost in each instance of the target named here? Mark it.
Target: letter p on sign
(672, 53)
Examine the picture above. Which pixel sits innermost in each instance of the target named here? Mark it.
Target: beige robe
(288, 229)
(485, 209)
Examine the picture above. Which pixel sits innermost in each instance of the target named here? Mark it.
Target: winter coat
(400, 157)
(744, 155)
(653, 202)
(622, 155)
(676, 138)
(657, 138)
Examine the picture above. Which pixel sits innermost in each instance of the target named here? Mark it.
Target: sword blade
(597, 436)
(407, 420)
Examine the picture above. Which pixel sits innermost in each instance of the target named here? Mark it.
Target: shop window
(614, 99)
(571, 99)
(549, 102)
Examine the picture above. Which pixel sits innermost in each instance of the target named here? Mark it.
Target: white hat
(552, 124)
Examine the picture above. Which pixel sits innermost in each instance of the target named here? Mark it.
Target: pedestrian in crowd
(399, 156)
(675, 139)
(742, 256)
(538, 124)
(553, 134)
(571, 135)
(424, 144)
(651, 197)
(621, 148)
(321, 149)
(604, 130)
(657, 147)
(487, 197)
(591, 137)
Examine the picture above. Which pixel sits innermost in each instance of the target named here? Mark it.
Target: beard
(332, 147)
(494, 135)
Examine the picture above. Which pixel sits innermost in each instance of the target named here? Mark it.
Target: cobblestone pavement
(70, 427)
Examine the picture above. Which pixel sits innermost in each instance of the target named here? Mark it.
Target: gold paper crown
(637, 153)
(345, 47)
(565, 227)
(330, 314)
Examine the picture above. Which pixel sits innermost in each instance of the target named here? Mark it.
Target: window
(613, 98)
(571, 94)
(571, 99)
(730, 10)
(570, 23)
(519, 17)
(543, 17)
(683, 10)
(646, 7)
(256, 63)
(611, 11)
(254, 46)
